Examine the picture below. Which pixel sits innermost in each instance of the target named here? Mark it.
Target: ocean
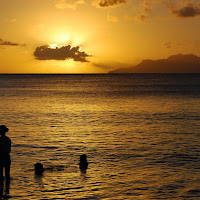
(140, 133)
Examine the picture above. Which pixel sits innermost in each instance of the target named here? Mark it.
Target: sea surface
(140, 132)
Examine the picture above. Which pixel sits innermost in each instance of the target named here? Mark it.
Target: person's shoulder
(7, 138)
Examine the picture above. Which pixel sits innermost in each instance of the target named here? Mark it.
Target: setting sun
(54, 46)
(62, 38)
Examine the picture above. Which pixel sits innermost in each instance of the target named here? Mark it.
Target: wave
(36, 147)
(62, 189)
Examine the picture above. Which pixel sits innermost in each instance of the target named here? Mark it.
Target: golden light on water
(122, 130)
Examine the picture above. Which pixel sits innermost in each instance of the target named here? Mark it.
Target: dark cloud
(8, 43)
(45, 52)
(110, 3)
(180, 8)
(142, 18)
(189, 10)
(102, 66)
(183, 8)
(109, 65)
(66, 4)
(147, 6)
(145, 11)
(168, 45)
(177, 45)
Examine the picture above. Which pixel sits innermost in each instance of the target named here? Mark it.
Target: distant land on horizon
(179, 63)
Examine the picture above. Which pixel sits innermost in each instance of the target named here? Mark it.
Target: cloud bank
(8, 43)
(45, 52)
(69, 4)
(188, 10)
(180, 8)
(145, 11)
(110, 3)
(175, 45)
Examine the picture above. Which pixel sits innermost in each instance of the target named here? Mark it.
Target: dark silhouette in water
(83, 164)
(39, 169)
(4, 192)
(5, 161)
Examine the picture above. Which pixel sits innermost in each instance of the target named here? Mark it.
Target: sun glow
(57, 46)
(54, 46)
(62, 38)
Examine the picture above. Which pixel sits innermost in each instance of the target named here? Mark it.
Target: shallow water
(140, 133)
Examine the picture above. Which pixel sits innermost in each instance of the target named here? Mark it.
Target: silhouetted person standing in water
(83, 164)
(5, 147)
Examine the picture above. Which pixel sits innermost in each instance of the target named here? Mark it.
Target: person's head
(3, 130)
(83, 158)
(39, 169)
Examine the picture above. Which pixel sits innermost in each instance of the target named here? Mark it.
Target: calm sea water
(141, 134)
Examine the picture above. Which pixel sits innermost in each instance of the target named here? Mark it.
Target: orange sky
(94, 36)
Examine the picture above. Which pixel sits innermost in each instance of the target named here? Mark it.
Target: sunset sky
(94, 36)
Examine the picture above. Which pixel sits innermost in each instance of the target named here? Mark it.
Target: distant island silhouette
(179, 63)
